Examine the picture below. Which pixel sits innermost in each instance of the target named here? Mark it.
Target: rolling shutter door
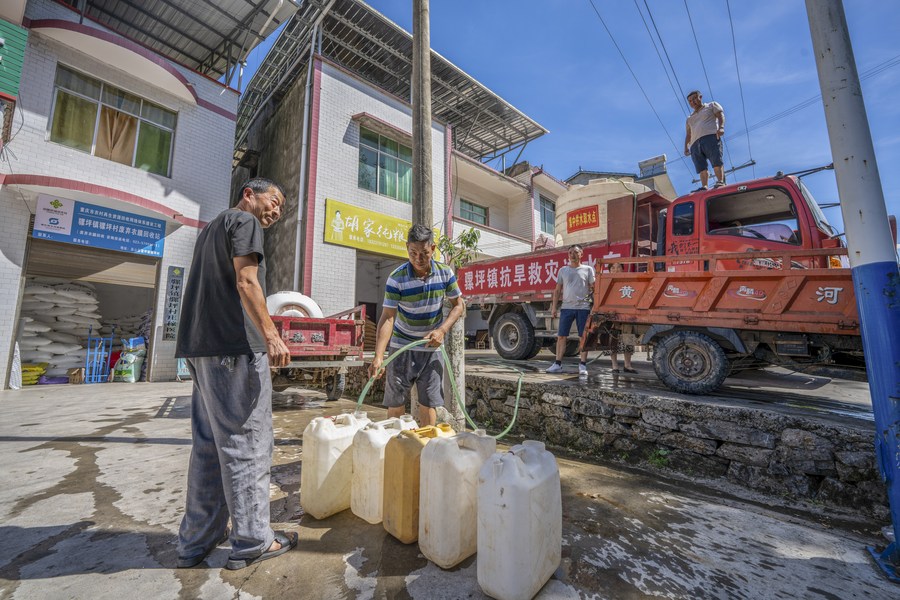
(69, 261)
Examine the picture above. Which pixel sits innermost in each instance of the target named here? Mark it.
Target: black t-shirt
(213, 321)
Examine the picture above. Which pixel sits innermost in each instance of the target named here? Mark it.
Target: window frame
(693, 213)
(100, 104)
(749, 228)
(487, 212)
(541, 201)
(380, 155)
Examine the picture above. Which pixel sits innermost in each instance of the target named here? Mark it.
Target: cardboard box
(76, 375)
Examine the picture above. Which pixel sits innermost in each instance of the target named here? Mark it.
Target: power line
(740, 85)
(706, 75)
(700, 54)
(678, 99)
(637, 81)
(661, 43)
(877, 69)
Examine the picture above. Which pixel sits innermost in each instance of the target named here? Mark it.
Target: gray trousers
(231, 458)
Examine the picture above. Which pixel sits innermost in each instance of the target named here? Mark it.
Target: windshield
(819, 216)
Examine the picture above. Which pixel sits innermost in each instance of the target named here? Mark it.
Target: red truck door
(682, 234)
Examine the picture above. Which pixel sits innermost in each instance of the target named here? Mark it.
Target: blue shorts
(567, 315)
(709, 147)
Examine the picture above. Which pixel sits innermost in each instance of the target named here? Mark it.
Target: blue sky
(554, 61)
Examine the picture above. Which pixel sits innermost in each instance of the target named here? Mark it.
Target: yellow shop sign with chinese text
(348, 225)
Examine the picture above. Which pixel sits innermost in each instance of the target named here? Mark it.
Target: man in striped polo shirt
(413, 310)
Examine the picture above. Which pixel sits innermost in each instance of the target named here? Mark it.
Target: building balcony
(493, 243)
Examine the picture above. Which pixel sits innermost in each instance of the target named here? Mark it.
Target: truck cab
(768, 214)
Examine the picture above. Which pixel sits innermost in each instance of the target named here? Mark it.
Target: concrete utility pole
(873, 261)
(422, 210)
(422, 206)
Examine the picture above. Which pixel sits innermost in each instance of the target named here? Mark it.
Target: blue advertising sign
(74, 222)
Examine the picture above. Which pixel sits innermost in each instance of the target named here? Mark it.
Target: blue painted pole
(873, 257)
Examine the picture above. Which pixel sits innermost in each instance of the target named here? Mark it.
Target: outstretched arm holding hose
(382, 338)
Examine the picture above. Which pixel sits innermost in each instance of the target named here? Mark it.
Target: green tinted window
(368, 138)
(154, 148)
(74, 120)
(368, 169)
(77, 83)
(129, 130)
(158, 115)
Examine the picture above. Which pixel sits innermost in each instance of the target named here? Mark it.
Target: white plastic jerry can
(519, 522)
(447, 498)
(367, 485)
(328, 463)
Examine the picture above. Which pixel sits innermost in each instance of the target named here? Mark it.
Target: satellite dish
(559, 239)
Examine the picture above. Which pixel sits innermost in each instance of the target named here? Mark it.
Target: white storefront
(131, 146)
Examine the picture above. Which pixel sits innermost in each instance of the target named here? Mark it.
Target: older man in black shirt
(230, 342)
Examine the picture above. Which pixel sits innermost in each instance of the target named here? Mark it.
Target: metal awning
(368, 44)
(208, 36)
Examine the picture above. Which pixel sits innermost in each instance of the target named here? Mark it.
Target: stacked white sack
(61, 316)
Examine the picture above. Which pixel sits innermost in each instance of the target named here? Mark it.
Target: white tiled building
(105, 122)
(353, 109)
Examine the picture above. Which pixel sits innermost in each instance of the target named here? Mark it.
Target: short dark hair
(693, 92)
(259, 185)
(419, 233)
(576, 247)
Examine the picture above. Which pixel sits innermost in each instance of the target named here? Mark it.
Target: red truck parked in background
(729, 278)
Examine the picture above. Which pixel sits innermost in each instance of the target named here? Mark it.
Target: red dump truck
(733, 277)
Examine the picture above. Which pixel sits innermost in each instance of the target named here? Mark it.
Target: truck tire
(334, 387)
(571, 347)
(293, 304)
(535, 349)
(514, 337)
(690, 362)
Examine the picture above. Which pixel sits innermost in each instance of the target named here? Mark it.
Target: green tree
(460, 250)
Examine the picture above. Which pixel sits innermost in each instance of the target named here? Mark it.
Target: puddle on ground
(296, 401)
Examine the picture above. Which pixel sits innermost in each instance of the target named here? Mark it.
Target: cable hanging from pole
(661, 43)
(706, 76)
(740, 85)
(637, 81)
(678, 99)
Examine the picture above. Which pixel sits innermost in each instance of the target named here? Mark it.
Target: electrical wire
(706, 75)
(877, 69)
(637, 81)
(700, 54)
(740, 85)
(679, 100)
(663, 44)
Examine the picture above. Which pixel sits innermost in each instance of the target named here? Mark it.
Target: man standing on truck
(413, 310)
(230, 342)
(574, 283)
(703, 138)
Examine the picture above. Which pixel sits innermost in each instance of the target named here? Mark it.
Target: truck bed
(816, 301)
(319, 342)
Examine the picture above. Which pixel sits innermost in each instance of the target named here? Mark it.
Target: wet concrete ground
(92, 485)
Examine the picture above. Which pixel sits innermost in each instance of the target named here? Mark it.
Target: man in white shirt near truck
(703, 138)
(574, 283)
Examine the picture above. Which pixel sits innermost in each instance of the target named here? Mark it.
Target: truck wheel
(514, 337)
(334, 389)
(535, 349)
(571, 348)
(690, 362)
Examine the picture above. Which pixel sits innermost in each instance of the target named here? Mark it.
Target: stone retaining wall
(786, 455)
